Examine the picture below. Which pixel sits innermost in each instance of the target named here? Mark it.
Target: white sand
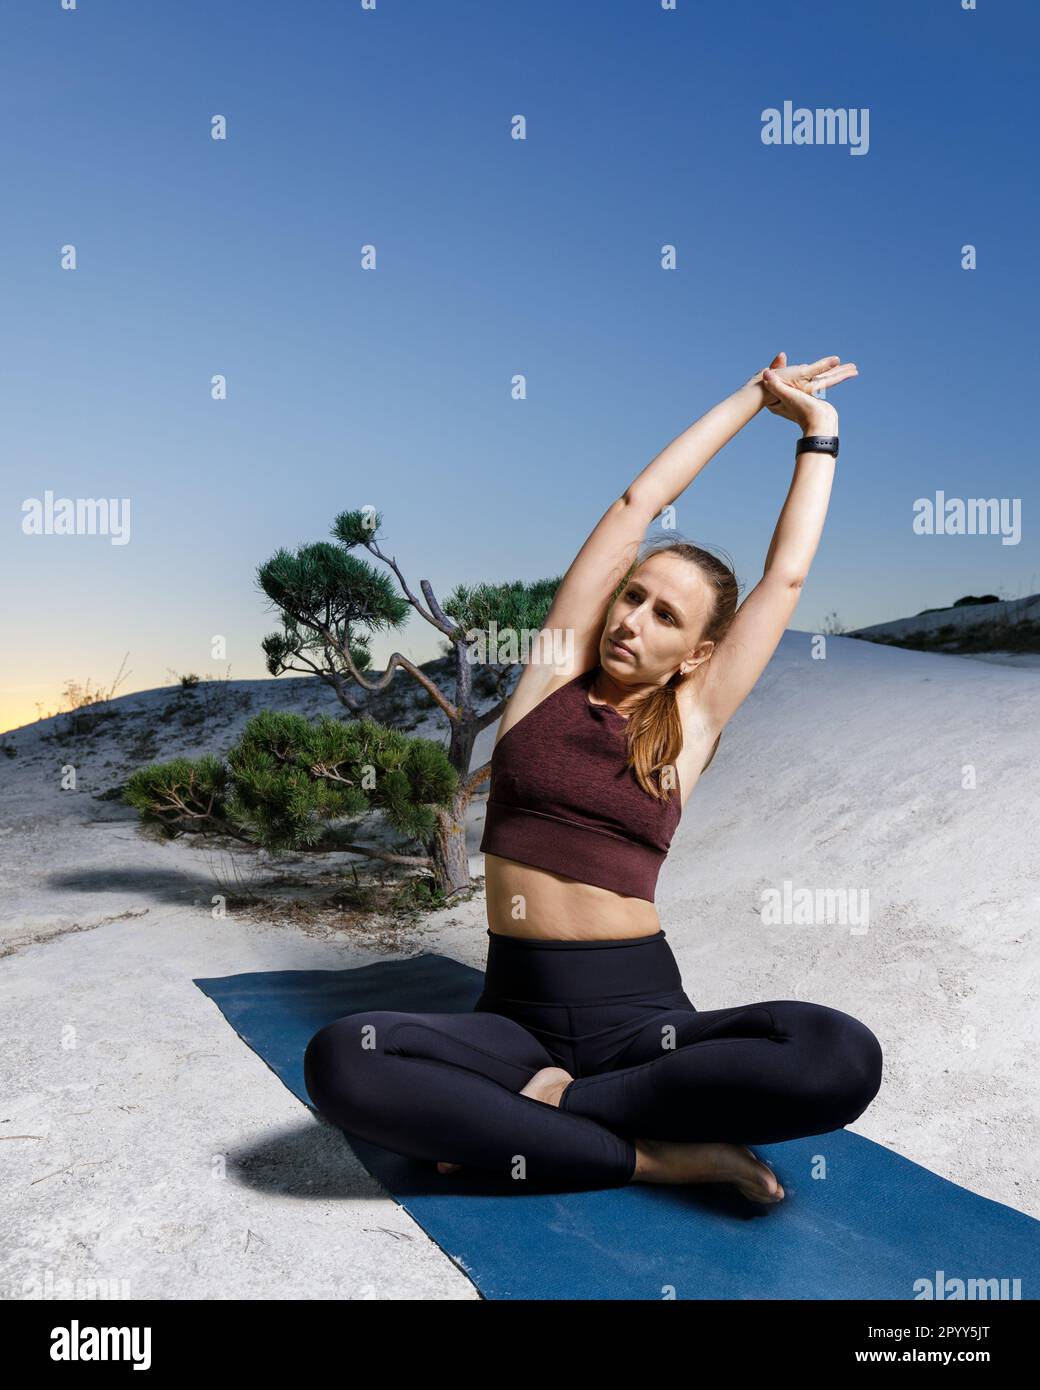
(125, 1092)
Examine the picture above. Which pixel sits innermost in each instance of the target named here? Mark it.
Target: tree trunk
(448, 850)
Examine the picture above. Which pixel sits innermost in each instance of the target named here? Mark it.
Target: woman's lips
(618, 647)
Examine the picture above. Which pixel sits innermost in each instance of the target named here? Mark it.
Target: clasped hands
(789, 391)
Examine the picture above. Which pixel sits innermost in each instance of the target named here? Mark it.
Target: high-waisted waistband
(549, 970)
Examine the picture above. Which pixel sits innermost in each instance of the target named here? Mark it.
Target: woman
(584, 1063)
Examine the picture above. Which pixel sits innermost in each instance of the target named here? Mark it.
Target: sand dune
(846, 774)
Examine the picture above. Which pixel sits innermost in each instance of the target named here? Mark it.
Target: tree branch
(474, 780)
(396, 659)
(441, 622)
(422, 861)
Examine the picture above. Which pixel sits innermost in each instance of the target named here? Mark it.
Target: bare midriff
(525, 901)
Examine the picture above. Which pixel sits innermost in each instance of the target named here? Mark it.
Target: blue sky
(392, 387)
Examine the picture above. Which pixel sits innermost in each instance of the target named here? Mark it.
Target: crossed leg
(447, 1087)
(756, 1074)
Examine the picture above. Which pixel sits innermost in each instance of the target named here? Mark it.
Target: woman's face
(658, 617)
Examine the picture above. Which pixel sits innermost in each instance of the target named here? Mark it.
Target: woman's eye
(661, 613)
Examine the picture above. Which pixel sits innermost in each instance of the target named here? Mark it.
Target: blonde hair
(654, 730)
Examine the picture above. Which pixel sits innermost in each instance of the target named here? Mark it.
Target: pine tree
(288, 781)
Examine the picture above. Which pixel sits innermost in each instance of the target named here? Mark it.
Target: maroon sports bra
(563, 798)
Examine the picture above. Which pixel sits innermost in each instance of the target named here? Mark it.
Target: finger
(823, 364)
(836, 374)
(777, 384)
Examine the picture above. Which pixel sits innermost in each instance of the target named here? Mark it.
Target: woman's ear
(691, 664)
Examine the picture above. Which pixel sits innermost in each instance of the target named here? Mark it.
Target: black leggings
(646, 1063)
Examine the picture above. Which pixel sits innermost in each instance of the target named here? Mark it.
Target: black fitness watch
(817, 444)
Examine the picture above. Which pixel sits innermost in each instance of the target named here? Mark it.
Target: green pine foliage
(289, 780)
(172, 796)
(520, 605)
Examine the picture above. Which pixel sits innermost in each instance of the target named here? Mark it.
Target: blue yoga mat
(876, 1226)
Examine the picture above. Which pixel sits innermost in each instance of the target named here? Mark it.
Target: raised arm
(678, 463)
(580, 603)
(745, 651)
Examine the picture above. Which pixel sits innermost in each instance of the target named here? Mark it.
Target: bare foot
(547, 1085)
(667, 1161)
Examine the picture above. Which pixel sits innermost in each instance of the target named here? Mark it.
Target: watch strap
(817, 444)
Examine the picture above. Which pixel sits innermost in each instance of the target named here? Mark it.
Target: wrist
(826, 422)
(757, 390)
